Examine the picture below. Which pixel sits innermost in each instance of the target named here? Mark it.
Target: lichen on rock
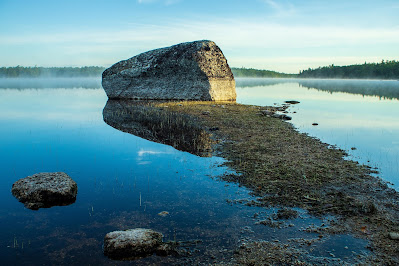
(187, 71)
(45, 190)
(131, 243)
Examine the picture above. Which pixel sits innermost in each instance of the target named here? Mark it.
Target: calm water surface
(358, 116)
(125, 181)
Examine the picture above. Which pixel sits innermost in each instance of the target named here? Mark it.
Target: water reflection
(381, 89)
(157, 124)
(49, 83)
(124, 182)
(364, 125)
(387, 89)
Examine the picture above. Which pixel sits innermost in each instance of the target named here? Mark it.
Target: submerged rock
(292, 102)
(132, 243)
(163, 213)
(266, 112)
(187, 71)
(45, 190)
(286, 213)
(281, 116)
(393, 235)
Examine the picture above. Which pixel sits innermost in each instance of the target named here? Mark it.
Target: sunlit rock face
(45, 190)
(158, 124)
(187, 71)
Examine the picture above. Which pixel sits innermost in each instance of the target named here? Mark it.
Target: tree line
(384, 70)
(35, 72)
(257, 73)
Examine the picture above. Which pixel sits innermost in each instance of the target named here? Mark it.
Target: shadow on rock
(144, 119)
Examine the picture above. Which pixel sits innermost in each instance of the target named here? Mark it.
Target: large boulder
(45, 190)
(132, 243)
(187, 71)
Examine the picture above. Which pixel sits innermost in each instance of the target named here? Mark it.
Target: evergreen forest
(382, 70)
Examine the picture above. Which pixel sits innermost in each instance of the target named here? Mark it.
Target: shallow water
(364, 123)
(124, 181)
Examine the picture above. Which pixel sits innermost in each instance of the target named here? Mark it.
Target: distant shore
(385, 70)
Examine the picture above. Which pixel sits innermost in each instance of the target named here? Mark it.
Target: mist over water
(50, 83)
(384, 89)
(124, 181)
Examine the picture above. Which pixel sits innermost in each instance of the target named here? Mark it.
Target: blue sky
(286, 35)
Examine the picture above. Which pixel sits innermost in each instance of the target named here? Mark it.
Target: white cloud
(230, 33)
(143, 152)
(252, 41)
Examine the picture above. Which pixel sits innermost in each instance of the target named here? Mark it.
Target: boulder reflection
(147, 120)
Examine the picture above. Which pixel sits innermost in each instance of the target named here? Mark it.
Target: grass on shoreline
(286, 168)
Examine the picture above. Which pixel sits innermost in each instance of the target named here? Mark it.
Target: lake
(125, 181)
(359, 116)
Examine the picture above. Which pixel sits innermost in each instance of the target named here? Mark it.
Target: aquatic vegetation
(286, 168)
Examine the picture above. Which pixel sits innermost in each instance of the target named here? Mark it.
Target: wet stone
(163, 213)
(45, 190)
(266, 112)
(132, 243)
(393, 235)
(282, 116)
(166, 249)
(292, 102)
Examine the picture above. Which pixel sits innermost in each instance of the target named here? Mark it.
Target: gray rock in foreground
(187, 71)
(45, 190)
(132, 243)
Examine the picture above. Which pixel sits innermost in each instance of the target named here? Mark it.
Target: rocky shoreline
(285, 168)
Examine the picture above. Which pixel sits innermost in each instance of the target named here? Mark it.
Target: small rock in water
(163, 213)
(266, 112)
(315, 124)
(166, 250)
(292, 102)
(282, 116)
(132, 243)
(393, 235)
(353, 148)
(45, 190)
